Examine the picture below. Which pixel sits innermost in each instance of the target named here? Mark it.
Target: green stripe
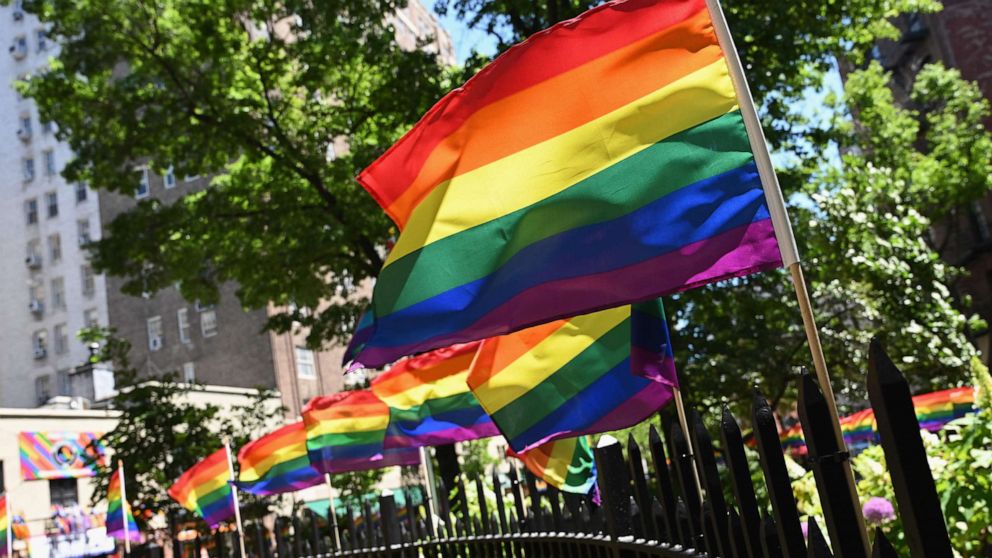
(580, 468)
(709, 149)
(434, 407)
(569, 380)
(347, 439)
(211, 497)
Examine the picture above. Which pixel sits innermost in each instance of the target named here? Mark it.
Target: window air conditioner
(36, 306)
(33, 261)
(39, 353)
(155, 343)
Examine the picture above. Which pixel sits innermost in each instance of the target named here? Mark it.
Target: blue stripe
(466, 418)
(286, 482)
(694, 213)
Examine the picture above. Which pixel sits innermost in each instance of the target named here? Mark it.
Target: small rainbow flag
(429, 402)
(205, 489)
(936, 409)
(120, 522)
(600, 162)
(592, 373)
(567, 464)
(346, 431)
(6, 538)
(277, 463)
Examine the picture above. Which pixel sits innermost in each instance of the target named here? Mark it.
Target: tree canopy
(256, 93)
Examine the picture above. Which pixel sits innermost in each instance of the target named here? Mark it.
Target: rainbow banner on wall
(60, 455)
(5, 533)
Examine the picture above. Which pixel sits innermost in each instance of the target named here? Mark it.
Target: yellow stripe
(533, 174)
(262, 466)
(344, 426)
(206, 488)
(547, 357)
(561, 458)
(412, 397)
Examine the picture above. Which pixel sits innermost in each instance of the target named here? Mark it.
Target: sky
(463, 39)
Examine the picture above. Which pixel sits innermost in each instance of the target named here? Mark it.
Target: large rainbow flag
(601, 162)
(205, 489)
(429, 402)
(119, 510)
(6, 538)
(277, 463)
(593, 373)
(346, 431)
(566, 464)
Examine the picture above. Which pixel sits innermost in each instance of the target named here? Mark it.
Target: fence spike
(557, 523)
(737, 539)
(740, 481)
(642, 495)
(683, 469)
(665, 491)
(500, 508)
(818, 547)
(686, 535)
(710, 540)
(882, 547)
(841, 510)
(710, 476)
(777, 479)
(480, 488)
(899, 431)
(518, 497)
(614, 486)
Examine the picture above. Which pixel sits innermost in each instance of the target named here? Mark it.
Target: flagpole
(234, 494)
(331, 513)
(783, 231)
(428, 468)
(127, 534)
(680, 410)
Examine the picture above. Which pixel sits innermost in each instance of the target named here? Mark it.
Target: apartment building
(51, 291)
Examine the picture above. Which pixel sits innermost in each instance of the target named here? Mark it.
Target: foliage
(352, 487)
(162, 432)
(475, 458)
(280, 101)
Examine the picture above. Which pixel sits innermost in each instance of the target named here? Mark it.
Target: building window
(52, 204)
(208, 322)
(83, 231)
(170, 178)
(39, 342)
(189, 372)
(42, 40)
(43, 388)
(182, 317)
(34, 256)
(27, 168)
(49, 157)
(46, 127)
(155, 340)
(81, 191)
(20, 48)
(91, 318)
(58, 293)
(89, 283)
(63, 492)
(61, 339)
(24, 132)
(142, 190)
(31, 211)
(55, 248)
(304, 363)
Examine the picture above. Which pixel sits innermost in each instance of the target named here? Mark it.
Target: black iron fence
(660, 500)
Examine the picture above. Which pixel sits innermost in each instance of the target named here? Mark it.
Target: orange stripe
(257, 450)
(350, 411)
(499, 352)
(213, 466)
(537, 114)
(404, 380)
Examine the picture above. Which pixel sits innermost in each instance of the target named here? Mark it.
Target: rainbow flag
(205, 489)
(593, 373)
(566, 464)
(277, 463)
(429, 402)
(6, 538)
(598, 163)
(119, 510)
(346, 431)
(936, 409)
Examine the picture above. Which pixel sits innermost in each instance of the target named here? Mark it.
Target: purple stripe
(740, 251)
(405, 456)
(647, 402)
(654, 366)
(441, 437)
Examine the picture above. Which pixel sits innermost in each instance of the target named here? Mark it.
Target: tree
(161, 432)
(281, 101)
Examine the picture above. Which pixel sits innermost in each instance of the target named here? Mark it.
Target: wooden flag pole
(124, 507)
(684, 424)
(234, 494)
(332, 515)
(783, 231)
(425, 463)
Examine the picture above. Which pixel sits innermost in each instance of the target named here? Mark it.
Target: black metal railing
(676, 507)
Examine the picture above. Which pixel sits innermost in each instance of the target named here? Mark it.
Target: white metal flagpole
(783, 228)
(124, 508)
(332, 515)
(425, 463)
(234, 494)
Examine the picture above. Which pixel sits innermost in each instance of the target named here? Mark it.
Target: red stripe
(259, 449)
(211, 467)
(560, 48)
